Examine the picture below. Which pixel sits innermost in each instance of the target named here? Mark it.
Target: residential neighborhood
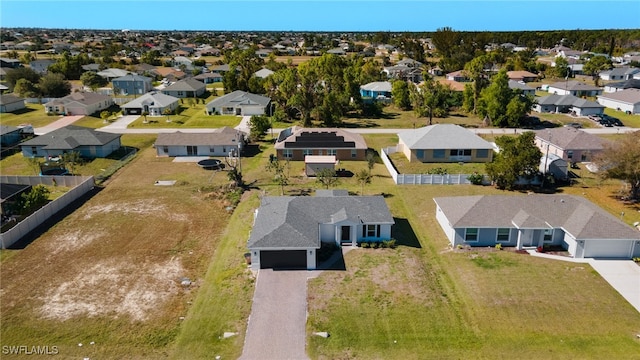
(320, 195)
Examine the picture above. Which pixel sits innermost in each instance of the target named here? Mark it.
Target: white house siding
(587, 111)
(248, 110)
(608, 248)
(202, 150)
(12, 107)
(327, 233)
(571, 245)
(444, 224)
(612, 104)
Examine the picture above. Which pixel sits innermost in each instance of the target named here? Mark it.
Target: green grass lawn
(33, 114)
(627, 119)
(404, 166)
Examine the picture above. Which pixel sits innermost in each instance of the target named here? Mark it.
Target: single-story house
(239, 103)
(132, 84)
(9, 135)
(444, 143)
(209, 78)
(524, 88)
(295, 143)
(627, 100)
(570, 144)
(453, 85)
(41, 66)
(376, 89)
(619, 73)
(567, 104)
(10, 103)
(574, 88)
(622, 85)
(313, 164)
(113, 73)
(403, 72)
(186, 88)
(153, 103)
(521, 75)
(168, 73)
(572, 222)
(554, 165)
(87, 141)
(288, 230)
(459, 76)
(218, 142)
(79, 103)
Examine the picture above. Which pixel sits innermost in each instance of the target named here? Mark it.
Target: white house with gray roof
(627, 100)
(574, 88)
(219, 142)
(186, 88)
(86, 141)
(524, 88)
(568, 221)
(79, 103)
(239, 103)
(619, 73)
(567, 104)
(444, 143)
(153, 103)
(289, 230)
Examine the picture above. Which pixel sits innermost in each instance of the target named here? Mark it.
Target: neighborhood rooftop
(443, 136)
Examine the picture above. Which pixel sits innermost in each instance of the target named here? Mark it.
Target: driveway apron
(277, 324)
(622, 275)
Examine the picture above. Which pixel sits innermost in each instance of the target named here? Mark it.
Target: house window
(438, 153)
(180, 93)
(548, 235)
(583, 157)
(371, 231)
(34, 150)
(354, 153)
(460, 152)
(165, 149)
(331, 152)
(570, 154)
(287, 153)
(503, 235)
(482, 153)
(471, 234)
(307, 152)
(420, 154)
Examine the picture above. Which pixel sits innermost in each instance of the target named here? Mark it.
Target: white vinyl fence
(423, 179)
(79, 185)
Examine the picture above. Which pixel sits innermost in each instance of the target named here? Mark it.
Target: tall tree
(400, 94)
(364, 177)
(475, 71)
(327, 177)
(54, 85)
(518, 157)
(26, 88)
(621, 160)
(597, 64)
(503, 106)
(92, 80)
(13, 75)
(431, 98)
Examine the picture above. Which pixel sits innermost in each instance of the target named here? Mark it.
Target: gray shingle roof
(71, 137)
(8, 129)
(567, 100)
(576, 215)
(569, 138)
(221, 136)
(443, 136)
(631, 83)
(189, 84)
(9, 99)
(629, 96)
(151, 98)
(377, 86)
(573, 85)
(294, 221)
(83, 98)
(238, 98)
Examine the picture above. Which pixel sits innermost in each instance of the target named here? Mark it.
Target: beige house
(79, 103)
(570, 144)
(444, 143)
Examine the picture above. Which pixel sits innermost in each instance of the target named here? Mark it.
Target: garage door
(608, 249)
(283, 259)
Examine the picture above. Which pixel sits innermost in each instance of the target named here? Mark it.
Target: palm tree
(364, 177)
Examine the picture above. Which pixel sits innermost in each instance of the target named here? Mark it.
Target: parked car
(595, 117)
(575, 125)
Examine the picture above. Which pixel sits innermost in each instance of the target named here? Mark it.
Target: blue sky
(328, 15)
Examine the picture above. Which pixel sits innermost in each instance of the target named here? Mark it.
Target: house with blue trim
(89, 142)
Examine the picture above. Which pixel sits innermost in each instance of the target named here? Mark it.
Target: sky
(327, 15)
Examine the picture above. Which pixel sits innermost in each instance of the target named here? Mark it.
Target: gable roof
(380, 86)
(627, 84)
(567, 100)
(520, 74)
(113, 73)
(151, 98)
(627, 96)
(189, 84)
(71, 137)
(569, 138)
(9, 99)
(575, 215)
(238, 98)
(319, 138)
(293, 221)
(573, 86)
(8, 129)
(133, 77)
(443, 136)
(263, 73)
(221, 136)
(520, 86)
(82, 98)
(621, 71)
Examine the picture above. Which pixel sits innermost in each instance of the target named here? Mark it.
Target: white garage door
(248, 110)
(608, 249)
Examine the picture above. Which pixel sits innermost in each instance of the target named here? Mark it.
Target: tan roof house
(570, 144)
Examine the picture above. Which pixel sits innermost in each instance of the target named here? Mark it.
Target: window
(466, 152)
(570, 154)
(438, 153)
(331, 152)
(165, 149)
(583, 157)
(548, 235)
(287, 153)
(482, 153)
(503, 235)
(354, 153)
(460, 152)
(34, 150)
(307, 152)
(471, 234)
(420, 154)
(371, 231)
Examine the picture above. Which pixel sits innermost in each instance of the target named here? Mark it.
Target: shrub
(375, 244)
(459, 246)
(364, 244)
(498, 246)
(475, 178)
(389, 244)
(636, 259)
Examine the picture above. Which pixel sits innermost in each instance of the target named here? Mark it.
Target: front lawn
(33, 114)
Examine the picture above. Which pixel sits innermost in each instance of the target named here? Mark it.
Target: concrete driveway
(622, 275)
(277, 324)
(62, 122)
(121, 123)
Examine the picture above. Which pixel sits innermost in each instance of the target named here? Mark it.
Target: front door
(345, 234)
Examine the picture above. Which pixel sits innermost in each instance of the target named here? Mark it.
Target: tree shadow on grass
(403, 233)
